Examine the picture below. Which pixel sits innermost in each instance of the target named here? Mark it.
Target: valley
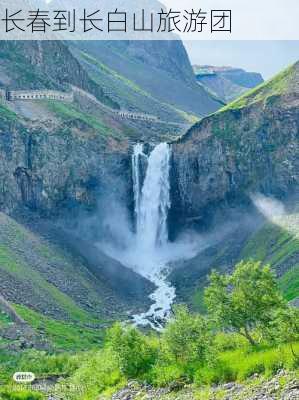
(116, 206)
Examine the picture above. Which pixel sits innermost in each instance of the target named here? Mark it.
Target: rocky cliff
(226, 83)
(55, 167)
(251, 145)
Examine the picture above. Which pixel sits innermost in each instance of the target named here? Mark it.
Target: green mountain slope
(272, 243)
(285, 82)
(142, 74)
(52, 285)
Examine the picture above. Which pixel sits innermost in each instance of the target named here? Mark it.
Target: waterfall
(136, 167)
(147, 250)
(153, 201)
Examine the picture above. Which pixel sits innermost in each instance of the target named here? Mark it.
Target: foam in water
(136, 167)
(149, 252)
(152, 203)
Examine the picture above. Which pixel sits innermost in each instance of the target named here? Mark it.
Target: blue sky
(267, 57)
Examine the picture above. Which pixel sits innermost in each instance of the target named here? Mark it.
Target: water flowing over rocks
(152, 202)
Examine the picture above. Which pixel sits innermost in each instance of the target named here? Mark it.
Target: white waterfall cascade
(147, 251)
(136, 160)
(152, 202)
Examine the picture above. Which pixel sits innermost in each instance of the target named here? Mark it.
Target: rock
(238, 151)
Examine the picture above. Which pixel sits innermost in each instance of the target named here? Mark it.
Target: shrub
(229, 341)
(218, 373)
(135, 352)
(187, 337)
(97, 374)
(21, 395)
(244, 301)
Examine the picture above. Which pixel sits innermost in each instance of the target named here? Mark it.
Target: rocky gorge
(71, 167)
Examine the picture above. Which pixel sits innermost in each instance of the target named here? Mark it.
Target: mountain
(153, 76)
(44, 65)
(63, 165)
(149, 76)
(226, 83)
(58, 159)
(248, 147)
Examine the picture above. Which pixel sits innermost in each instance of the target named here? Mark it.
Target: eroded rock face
(57, 169)
(228, 156)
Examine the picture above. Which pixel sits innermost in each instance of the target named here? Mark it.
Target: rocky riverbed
(283, 386)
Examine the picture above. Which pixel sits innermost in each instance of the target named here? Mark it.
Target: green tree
(287, 327)
(136, 353)
(246, 300)
(187, 337)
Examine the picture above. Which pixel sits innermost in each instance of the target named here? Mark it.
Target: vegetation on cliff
(286, 82)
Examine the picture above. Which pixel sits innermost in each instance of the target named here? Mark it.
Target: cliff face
(251, 145)
(227, 83)
(58, 168)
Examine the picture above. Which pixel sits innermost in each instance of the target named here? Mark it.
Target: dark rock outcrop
(51, 170)
(250, 146)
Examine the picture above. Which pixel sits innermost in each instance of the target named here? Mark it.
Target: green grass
(116, 75)
(289, 283)
(63, 335)
(21, 394)
(10, 263)
(4, 319)
(245, 363)
(68, 112)
(6, 114)
(274, 245)
(276, 86)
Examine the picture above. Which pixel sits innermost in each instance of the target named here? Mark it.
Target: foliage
(271, 89)
(286, 328)
(98, 373)
(248, 299)
(135, 352)
(63, 335)
(43, 364)
(20, 395)
(187, 337)
(191, 348)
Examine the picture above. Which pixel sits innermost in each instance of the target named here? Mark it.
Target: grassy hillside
(274, 243)
(285, 82)
(37, 278)
(40, 275)
(143, 75)
(44, 65)
(278, 245)
(129, 94)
